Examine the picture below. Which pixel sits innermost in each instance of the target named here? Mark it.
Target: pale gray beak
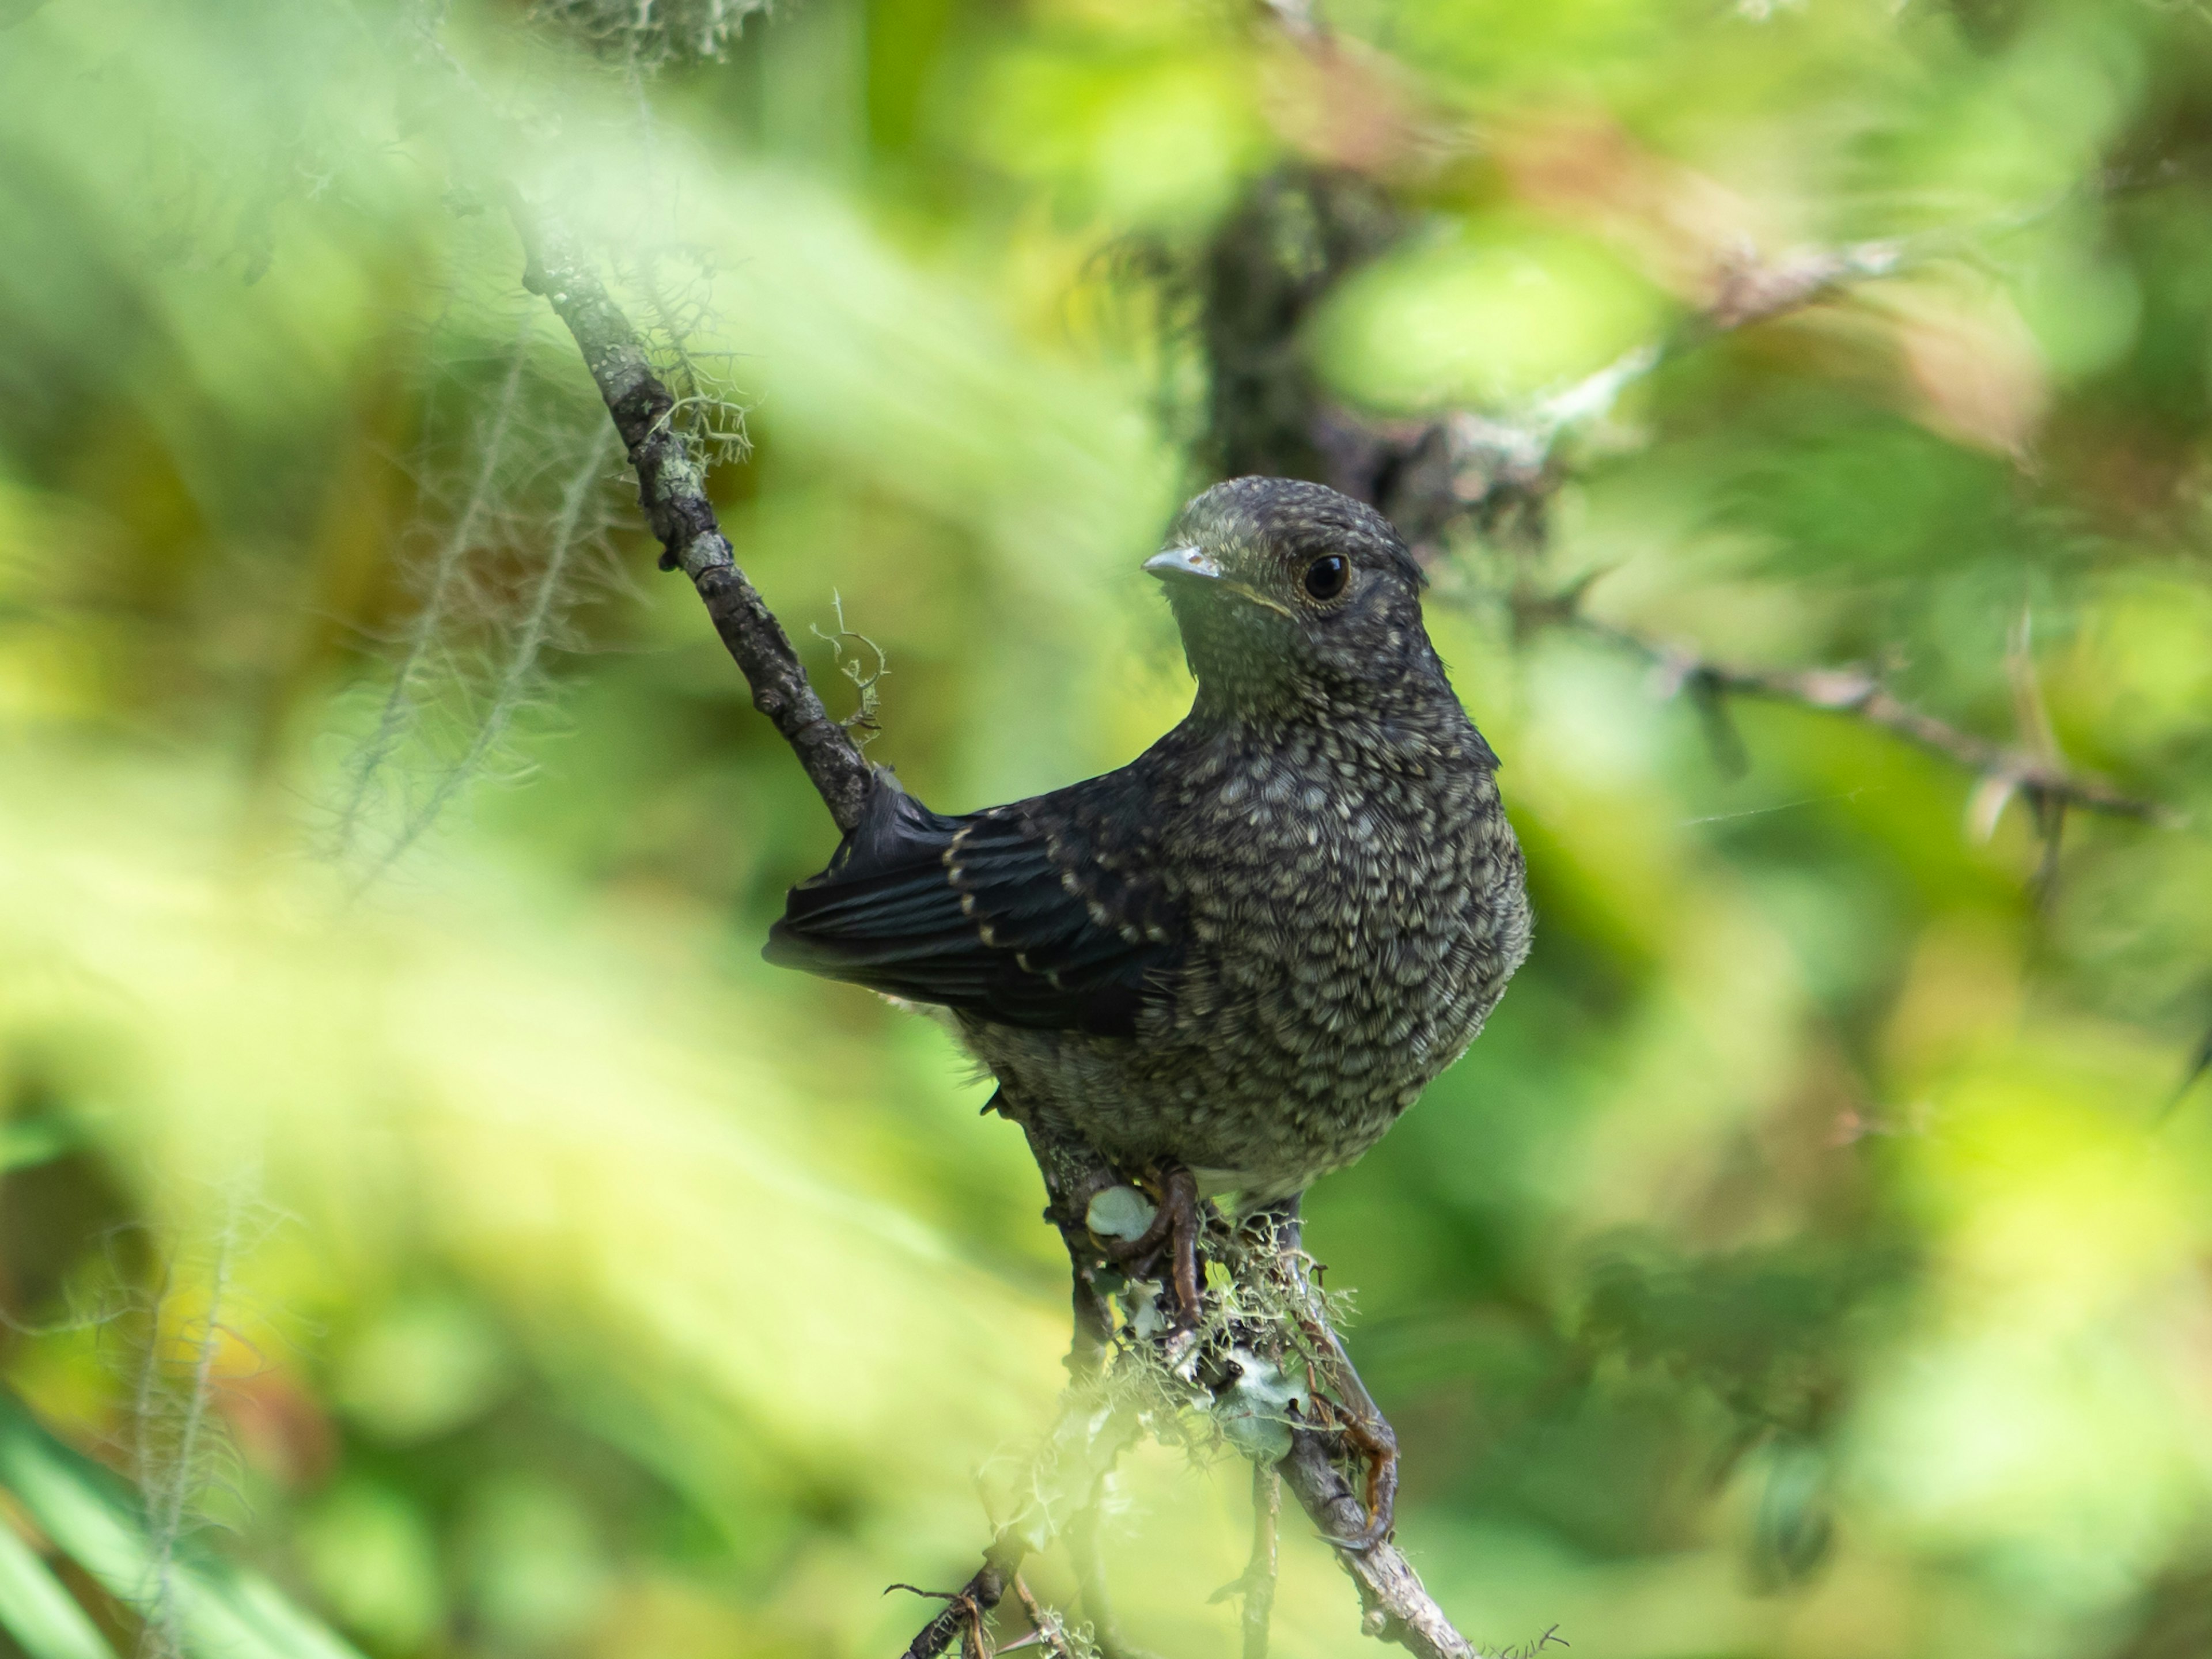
(1183, 562)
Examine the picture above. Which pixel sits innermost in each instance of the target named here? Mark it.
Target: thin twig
(1857, 692)
(1260, 1571)
(1395, 1607)
(672, 490)
(1046, 1625)
(1064, 1482)
(1426, 474)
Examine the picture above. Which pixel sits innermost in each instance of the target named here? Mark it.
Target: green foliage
(95, 1521)
(1807, 1263)
(36, 1609)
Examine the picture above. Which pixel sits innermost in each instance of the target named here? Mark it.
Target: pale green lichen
(1262, 1351)
(1120, 1212)
(651, 32)
(1256, 1411)
(864, 722)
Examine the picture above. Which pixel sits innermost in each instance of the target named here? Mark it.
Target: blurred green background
(416, 1185)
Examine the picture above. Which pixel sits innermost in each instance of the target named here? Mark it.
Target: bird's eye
(1326, 576)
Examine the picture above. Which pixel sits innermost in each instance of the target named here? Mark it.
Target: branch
(1260, 1571)
(671, 491)
(672, 488)
(1396, 1606)
(1427, 474)
(1747, 289)
(2043, 779)
(965, 1607)
(1481, 464)
(1051, 1632)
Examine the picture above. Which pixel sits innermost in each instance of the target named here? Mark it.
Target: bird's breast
(1330, 911)
(1342, 927)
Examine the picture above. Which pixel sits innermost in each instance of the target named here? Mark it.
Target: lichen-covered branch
(672, 490)
(1397, 1608)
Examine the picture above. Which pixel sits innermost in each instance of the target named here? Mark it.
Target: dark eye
(1326, 576)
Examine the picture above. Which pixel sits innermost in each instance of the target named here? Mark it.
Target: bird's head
(1288, 593)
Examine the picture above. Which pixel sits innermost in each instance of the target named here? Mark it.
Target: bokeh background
(420, 1195)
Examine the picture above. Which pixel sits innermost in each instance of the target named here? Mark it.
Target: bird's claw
(1382, 1520)
(1377, 1531)
(1358, 1544)
(1174, 1225)
(1381, 1451)
(1368, 1432)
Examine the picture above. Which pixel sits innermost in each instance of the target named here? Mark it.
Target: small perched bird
(1230, 965)
(1247, 952)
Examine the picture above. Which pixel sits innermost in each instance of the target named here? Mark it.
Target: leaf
(32, 1141)
(93, 1518)
(37, 1611)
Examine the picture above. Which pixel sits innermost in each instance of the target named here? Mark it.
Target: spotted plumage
(1249, 950)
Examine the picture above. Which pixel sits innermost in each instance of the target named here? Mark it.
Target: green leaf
(38, 1611)
(32, 1141)
(93, 1518)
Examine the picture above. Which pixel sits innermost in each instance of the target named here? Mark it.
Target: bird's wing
(1041, 913)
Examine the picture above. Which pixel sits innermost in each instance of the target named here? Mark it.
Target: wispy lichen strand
(510, 689)
(173, 1402)
(448, 567)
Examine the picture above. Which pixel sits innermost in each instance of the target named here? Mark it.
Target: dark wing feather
(1039, 914)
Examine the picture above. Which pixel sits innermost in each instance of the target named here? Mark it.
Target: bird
(1250, 949)
(1236, 961)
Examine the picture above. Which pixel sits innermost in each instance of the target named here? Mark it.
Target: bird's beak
(1183, 562)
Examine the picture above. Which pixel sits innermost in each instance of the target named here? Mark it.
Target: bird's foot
(1369, 1433)
(1366, 1432)
(1173, 1232)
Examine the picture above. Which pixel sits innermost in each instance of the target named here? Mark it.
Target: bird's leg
(1361, 1421)
(1180, 1202)
(1174, 1225)
(1132, 1252)
(1369, 1433)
